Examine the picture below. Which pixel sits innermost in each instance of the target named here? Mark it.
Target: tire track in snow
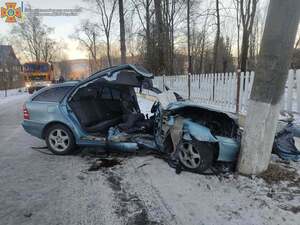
(157, 206)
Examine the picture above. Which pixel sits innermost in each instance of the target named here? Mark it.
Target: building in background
(10, 69)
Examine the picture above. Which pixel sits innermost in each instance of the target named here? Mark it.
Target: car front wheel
(195, 156)
(60, 140)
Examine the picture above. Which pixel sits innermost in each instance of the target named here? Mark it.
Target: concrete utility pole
(268, 87)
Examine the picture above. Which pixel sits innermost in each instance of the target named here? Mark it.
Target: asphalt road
(42, 189)
(38, 188)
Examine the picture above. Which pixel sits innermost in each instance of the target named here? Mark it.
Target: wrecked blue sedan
(103, 111)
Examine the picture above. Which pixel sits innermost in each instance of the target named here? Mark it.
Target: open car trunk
(107, 106)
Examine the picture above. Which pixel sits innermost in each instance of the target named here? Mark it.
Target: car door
(44, 106)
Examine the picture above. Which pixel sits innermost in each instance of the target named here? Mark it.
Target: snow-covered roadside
(197, 199)
(12, 94)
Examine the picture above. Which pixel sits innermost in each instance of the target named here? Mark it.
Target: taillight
(25, 113)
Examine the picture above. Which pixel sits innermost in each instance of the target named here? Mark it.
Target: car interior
(101, 106)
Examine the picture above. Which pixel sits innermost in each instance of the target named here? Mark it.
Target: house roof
(7, 55)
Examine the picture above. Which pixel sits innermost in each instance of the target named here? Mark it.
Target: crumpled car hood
(173, 106)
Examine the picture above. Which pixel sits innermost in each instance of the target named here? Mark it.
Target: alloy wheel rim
(59, 140)
(189, 156)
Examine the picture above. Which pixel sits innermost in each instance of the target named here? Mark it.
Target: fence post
(238, 81)
(163, 82)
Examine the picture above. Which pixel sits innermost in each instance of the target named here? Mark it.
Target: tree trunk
(148, 46)
(245, 49)
(268, 87)
(94, 55)
(160, 34)
(172, 37)
(238, 24)
(202, 65)
(217, 39)
(122, 33)
(167, 26)
(189, 38)
(108, 50)
(202, 55)
(248, 12)
(189, 50)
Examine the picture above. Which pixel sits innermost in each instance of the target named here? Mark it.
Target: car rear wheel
(60, 140)
(195, 156)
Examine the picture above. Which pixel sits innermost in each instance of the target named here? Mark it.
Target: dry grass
(276, 173)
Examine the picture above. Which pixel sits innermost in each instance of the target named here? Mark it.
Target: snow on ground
(39, 188)
(197, 199)
(12, 94)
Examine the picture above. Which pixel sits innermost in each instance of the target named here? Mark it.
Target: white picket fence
(220, 90)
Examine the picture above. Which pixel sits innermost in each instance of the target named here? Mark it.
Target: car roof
(137, 68)
(65, 84)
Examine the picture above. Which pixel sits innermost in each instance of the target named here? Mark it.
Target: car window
(110, 93)
(116, 94)
(105, 93)
(53, 94)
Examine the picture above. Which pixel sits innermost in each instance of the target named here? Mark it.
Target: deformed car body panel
(228, 147)
(173, 106)
(199, 132)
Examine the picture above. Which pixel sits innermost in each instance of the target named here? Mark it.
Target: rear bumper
(33, 128)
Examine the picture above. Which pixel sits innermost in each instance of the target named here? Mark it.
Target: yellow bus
(37, 75)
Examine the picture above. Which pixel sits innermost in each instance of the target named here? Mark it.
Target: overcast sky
(64, 26)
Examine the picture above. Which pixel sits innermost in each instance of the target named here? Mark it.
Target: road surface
(39, 188)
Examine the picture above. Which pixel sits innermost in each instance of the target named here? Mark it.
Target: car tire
(60, 140)
(195, 156)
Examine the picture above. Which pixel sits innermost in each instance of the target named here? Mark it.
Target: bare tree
(148, 18)
(48, 51)
(34, 39)
(106, 10)
(87, 34)
(238, 25)
(122, 32)
(217, 39)
(189, 39)
(159, 33)
(204, 34)
(247, 13)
